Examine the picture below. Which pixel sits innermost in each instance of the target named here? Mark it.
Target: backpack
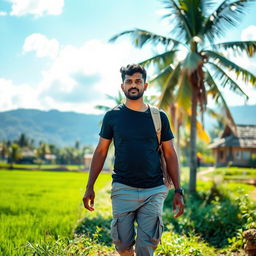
(155, 114)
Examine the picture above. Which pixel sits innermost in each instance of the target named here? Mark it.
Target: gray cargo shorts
(143, 206)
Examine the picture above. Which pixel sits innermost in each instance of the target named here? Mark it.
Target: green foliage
(176, 245)
(40, 212)
(78, 246)
(248, 217)
(212, 213)
(38, 207)
(234, 173)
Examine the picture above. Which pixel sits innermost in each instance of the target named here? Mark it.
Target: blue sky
(56, 55)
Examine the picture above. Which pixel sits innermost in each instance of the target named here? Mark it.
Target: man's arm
(98, 160)
(172, 165)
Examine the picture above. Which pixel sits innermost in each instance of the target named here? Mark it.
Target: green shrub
(211, 214)
(79, 246)
(176, 245)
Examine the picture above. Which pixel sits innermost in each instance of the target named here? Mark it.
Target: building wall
(235, 156)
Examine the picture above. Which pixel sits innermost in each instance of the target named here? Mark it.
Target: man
(138, 191)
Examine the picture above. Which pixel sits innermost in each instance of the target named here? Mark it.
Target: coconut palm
(191, 81)
(119, 99)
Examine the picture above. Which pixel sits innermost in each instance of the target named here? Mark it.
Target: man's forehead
(135, 75)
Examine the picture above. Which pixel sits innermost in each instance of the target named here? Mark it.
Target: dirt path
(252, 195)
(202, 174)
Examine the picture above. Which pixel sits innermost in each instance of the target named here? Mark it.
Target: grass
(233, 173)
(45, 209)
(43, 166)
(40, 206)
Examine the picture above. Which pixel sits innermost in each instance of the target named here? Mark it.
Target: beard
(130, 96)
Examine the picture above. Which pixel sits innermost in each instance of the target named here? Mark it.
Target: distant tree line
(24, 150)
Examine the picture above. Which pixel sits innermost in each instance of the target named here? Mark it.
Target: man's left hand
(178, 203)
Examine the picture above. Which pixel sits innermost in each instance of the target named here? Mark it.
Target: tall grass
(40, 206)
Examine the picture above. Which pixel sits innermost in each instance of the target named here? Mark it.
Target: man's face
(134, 86)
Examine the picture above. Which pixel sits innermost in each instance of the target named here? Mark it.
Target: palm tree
(119, 99)
(191, 81)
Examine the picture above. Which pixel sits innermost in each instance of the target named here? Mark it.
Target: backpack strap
(157, 121)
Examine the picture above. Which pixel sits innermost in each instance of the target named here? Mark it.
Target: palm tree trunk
(193, 162)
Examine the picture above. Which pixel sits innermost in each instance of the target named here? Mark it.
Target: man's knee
(122, 235)
(128, 252)
(149, 235)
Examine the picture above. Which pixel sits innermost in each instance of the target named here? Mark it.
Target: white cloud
(77, 78)
(17, 96)
(249, 33)
(43, 46)
(36, 7)
(73, 71)
(3, 13)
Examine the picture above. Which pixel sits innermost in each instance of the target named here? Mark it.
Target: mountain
(60, 128)
(64, 128)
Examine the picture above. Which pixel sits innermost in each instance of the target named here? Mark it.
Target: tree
(204, 70)
(14, 154)
(23, 140)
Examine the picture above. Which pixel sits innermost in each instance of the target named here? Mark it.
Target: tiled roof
(246, 138)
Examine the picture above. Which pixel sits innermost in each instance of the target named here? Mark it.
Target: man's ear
(145, 86)
(122, 87)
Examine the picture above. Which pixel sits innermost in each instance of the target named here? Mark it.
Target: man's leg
(124, 204)
(150, 225)
(123, 233)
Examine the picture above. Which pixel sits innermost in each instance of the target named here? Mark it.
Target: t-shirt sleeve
(166, 132)
(106, 131)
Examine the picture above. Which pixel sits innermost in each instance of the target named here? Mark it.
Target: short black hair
(130, 69)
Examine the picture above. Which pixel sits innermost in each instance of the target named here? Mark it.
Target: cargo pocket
(158, 231)
(114, 231)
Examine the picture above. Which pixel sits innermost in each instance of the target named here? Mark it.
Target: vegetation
(38, 207)
(42, 214)
(23, 150)
(187, 82)
(233, 173)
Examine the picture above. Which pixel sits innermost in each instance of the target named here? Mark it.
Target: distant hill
(60, 128)
(64, 128)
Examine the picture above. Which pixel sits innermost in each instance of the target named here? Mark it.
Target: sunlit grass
(39, 206)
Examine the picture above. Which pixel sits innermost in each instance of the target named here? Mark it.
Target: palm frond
(213, 113)
(228, 14)
(183, 95)
(201, 133)
(219, 99)
(102, 107)
(140, 37)
(224, 62)
(239, 46)
(206, 6)
(177, 14)
(164, 58)
(193, 14)
(168, 88)
(161, 76)
(225, 79)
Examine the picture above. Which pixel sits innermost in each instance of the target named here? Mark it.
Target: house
(236, 147)
(107, 164)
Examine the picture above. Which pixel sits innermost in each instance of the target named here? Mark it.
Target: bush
(177, 245)
(211, 214)
(79, 246)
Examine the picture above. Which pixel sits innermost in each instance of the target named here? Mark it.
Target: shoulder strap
(157, 121)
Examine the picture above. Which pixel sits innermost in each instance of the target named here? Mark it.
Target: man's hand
(88, 199)
(178, 203)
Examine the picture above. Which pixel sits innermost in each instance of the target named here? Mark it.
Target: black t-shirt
(137, 161)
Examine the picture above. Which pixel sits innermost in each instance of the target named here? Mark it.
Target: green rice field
(37, 206)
